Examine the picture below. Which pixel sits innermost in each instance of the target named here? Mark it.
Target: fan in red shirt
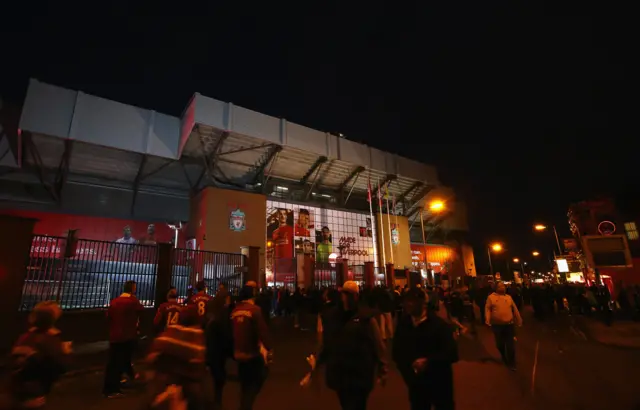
(123, 317)
(168, 313)
(200, 300)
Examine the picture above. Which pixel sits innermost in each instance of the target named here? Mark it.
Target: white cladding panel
(255, 124)
(48, 109)
(307, 139)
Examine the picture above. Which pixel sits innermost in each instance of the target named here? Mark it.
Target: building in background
(606, 239)
(222, 177)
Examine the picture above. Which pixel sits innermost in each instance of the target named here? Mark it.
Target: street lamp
(535, 253)
(516, 260)
(495, 247)
(436, 206)
(540, 228)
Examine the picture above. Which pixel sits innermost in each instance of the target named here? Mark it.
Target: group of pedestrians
(359, 330)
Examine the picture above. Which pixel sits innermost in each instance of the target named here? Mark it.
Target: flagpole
(384, 257)
(424, 247)
(371, 218)
(396, 215)
(389, 224)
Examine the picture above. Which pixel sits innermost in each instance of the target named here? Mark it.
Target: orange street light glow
(535, 253)
(539, 227)
(436, 206)
(496, 247)
(516, 260)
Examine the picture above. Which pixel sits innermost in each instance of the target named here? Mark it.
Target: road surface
(571, 373)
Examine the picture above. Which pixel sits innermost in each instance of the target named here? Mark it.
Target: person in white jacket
(502, 314)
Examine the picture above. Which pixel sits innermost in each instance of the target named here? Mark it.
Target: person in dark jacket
(424, 351)
(219, 342)
(352, 350)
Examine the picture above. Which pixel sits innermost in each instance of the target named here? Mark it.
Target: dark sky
(523, 108)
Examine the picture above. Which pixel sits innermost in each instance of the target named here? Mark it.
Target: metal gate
(92, 277)
(190, 266)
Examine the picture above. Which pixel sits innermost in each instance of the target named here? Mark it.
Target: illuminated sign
(563, 266)
(606, 228)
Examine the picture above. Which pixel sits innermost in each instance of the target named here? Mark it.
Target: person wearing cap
(250, 342)
(38, 358)
(351, 349)
(424, 351)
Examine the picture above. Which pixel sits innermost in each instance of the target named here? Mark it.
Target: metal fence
(92, 277)
(190, 266)
(324, 274)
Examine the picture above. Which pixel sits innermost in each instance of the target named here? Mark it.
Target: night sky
(522, 108)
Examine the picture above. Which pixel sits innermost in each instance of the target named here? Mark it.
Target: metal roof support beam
(210, 159)
(387, 180)
(317, 170)
(354, 174)
(316, 165)
(244, 149)
(407, 194)
(263, 163)
(353, 185)
(137, 181)
(63, 168)
(409, 210)
(37, 160)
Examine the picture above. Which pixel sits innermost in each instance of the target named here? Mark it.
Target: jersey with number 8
(200, 301)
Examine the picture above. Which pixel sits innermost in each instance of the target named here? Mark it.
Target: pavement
(622, 333)
(559, 367)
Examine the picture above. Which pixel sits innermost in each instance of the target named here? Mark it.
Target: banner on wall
(120, 231)
(324, 234)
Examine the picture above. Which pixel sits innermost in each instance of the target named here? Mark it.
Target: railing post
(252, 254)
(164, 272)
(15, 249)
(390, 276)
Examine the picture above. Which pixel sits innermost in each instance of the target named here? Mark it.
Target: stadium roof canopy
(69, 137)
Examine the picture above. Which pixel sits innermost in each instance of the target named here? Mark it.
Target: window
(631, 230)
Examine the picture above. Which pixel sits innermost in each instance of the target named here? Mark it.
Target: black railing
(92, 275)
(190, 266)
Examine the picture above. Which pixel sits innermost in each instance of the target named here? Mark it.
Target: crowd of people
(195, 338)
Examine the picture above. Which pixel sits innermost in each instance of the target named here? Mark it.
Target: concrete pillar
(390, 276)
(308, 268)
(14, 256)
(163, 273)
(342, 269)
(252, 254)
(369, 276)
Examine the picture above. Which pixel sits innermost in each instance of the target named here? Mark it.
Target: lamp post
(540, 228)
(518, 261)
(495, 247)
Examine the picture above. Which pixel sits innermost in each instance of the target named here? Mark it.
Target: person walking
(424, 351)
(501, 314)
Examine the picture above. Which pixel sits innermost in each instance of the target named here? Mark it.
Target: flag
(369, 191)
(386, 191)
(379, 196)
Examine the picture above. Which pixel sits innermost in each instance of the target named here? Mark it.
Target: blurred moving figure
(177, 357)
(38, 359)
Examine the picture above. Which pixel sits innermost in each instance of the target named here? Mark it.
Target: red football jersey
(200, 300)
(283, 241)
(168, 315)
